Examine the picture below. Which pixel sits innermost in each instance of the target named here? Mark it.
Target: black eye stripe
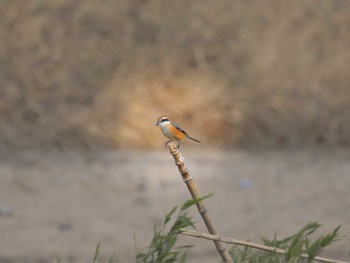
(162, 120)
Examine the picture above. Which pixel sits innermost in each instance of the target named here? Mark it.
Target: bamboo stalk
(228, 240)
(188, 180)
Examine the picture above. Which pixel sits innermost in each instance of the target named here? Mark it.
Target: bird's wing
(177, 126)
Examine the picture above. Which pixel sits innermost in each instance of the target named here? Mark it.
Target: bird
(173, 131)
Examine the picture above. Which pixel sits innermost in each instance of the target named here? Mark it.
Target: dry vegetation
(255, 73)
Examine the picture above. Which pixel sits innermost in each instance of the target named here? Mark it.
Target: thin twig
(228, 240)
(179, 161)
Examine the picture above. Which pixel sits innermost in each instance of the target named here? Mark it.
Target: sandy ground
(62, 203)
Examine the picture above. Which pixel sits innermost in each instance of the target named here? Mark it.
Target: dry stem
(179, 161)
(228, 240)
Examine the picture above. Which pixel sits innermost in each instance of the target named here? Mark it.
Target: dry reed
(228, 240)
(179, 161)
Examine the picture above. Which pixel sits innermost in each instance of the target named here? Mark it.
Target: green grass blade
(97, 252)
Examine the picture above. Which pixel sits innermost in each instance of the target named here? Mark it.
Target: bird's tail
(193, 139)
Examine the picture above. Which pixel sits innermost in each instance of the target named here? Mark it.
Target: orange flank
(175, 133)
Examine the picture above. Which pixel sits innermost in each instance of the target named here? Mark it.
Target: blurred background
(83, 82)
(236, 73)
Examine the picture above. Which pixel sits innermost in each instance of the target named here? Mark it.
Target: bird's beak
(157, 123)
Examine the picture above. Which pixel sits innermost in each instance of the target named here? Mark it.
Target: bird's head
(162, 121)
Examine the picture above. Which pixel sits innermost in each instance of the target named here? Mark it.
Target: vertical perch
(179, 161)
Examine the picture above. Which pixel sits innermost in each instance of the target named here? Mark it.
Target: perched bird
(172, 131)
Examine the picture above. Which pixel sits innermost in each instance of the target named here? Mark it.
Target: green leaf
(311, 228)
(296, 250)
(170, 242)
(141, 255)
(194, 201)
(313, 249)
(168, 216)
(184, 247)
(183, 257)
(182, 222)
(295, 245)
(293, 260)
(330, 237)
(97, 252)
